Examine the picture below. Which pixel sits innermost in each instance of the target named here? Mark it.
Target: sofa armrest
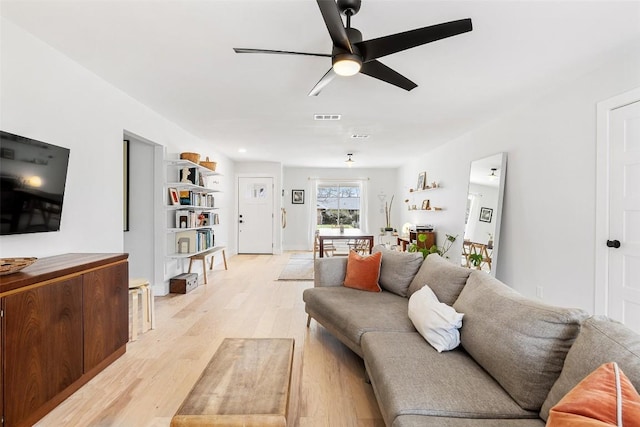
(329, 271)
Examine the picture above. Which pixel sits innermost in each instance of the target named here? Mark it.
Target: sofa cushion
(436, 321)
(409, 377)
(443, 277)
(398, 269)
(522, 343)
(329, 271)
(427, 421)
(601, 340)
(596, 399)
(363, 273)
(351, 312)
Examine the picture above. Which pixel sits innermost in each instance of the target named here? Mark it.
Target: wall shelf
(198, 236)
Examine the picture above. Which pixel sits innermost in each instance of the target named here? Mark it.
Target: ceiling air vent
(326, 117)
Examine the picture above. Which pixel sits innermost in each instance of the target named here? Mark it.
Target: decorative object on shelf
(422, 179)
(413, 246)
(387, 213)
(184, 174)
(434, 184)
(426, 204)
(13, 265)
(192, 157)
(174, 199)
(486, 214)
(208, 164)
(297, 197)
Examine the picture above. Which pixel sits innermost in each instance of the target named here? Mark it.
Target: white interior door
(255, 215)
(624, 216)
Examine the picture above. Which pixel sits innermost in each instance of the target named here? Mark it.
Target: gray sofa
(517, 358)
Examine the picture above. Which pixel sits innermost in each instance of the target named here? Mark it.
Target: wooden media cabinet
(63, 320)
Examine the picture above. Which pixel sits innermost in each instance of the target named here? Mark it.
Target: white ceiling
(177, 58)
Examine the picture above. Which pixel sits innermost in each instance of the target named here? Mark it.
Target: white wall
(381, 181)
(548, 223)
(48, 97)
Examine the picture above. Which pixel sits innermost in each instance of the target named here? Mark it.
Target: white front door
(255, 215)
(624, 216)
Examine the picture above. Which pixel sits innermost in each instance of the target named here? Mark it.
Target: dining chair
(327, 246)
(360, 246)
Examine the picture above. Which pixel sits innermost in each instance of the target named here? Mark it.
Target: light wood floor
(146, 386)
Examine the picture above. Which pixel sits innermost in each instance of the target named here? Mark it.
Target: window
(338, 204)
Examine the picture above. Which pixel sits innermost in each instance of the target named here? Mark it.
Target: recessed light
(327, 117)
(242, 150)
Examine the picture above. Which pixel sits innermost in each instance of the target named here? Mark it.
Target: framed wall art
(422, 179)
(297, 197)
(486, 214)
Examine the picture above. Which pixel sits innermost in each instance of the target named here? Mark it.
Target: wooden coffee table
(246, 383)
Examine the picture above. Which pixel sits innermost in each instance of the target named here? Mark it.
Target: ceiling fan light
(346, 65)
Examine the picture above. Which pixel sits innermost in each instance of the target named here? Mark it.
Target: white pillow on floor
(436, 321)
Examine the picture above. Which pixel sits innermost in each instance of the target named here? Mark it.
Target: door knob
(613, 243)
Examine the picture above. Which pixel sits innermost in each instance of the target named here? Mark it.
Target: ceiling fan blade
(382, 46)
(278, 52)
(332, 20)
(325, 80)
(378, 70)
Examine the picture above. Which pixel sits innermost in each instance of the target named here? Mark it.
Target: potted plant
(387, 213)
(476, 260)
(414, 247)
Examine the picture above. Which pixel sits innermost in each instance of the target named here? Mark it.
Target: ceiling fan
(350, 55)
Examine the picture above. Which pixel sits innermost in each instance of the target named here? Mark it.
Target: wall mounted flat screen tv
(33, 175)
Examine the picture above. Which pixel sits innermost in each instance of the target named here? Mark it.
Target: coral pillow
(363, 272)
(595, 401)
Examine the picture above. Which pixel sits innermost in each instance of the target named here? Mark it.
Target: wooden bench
(246, 383)
(203, 257)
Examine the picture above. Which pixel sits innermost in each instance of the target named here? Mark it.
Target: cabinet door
(430, 239)
(42, 346)
(1, 358)
(106, 313)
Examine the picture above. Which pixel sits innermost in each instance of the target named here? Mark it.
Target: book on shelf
(191, 241)
(196, 198)
(192, 219)
(185, 197)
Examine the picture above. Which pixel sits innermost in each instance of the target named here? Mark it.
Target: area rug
(299, 268)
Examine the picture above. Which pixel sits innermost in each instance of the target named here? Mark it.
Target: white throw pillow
(436, 321)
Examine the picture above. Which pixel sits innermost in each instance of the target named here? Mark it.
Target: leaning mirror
(484, 213)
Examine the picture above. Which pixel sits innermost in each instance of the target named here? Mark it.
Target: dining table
(342, 234)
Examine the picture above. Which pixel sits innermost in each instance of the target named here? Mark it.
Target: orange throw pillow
(594, 401)
(363, 272)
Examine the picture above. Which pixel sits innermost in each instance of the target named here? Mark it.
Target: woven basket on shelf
(209, 165)
(192, 157)
(13, 265)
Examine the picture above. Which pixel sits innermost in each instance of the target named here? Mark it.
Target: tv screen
(32, 180)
